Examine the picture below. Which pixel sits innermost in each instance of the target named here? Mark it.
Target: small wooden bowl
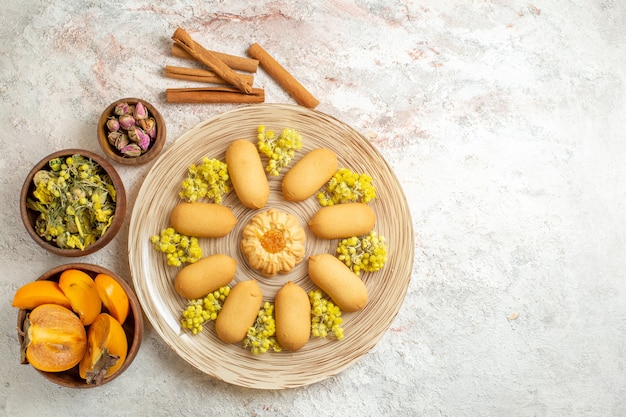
(29, 216)
(112, 152)
(133, 326)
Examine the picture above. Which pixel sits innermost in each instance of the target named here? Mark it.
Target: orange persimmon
(36, 293)
(81, 290)
(113, 296)
(107, 347)
(54, 338)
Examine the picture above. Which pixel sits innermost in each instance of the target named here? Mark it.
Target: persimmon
(113, 296)
(81, 290)
(36, 293)
(107, 347)
(55, 339)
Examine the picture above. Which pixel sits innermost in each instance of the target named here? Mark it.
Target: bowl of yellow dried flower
(131, 131)
(73, 202)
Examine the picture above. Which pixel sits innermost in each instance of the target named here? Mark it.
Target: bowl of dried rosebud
(80, 325)
(131, 131)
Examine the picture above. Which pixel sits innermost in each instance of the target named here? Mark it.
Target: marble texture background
(504, 122)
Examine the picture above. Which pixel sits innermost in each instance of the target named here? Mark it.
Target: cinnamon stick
(200, 75)
(283, 77)
(239, 63)
(206, 57)
(214, 95)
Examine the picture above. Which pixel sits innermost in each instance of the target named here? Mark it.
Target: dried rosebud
(132, 150)
(122, 141)
(132, 134)
(121, 108)
(113, 125)
(126, 121)
(118, 139)
(113, 137)
(144, 139)
(151, 128)
(140, 112)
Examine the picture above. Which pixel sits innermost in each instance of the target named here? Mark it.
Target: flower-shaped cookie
(273, 242)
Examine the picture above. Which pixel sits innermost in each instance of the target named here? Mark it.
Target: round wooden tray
(153, 279)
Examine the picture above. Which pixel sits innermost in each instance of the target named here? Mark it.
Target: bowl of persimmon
(79, 325)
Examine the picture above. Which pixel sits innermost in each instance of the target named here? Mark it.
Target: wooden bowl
(133, 326)
(320, 358)
(155, 146)
(30, 216)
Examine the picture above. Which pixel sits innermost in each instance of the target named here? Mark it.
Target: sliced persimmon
(54, 338)
(81, 290)
(36, 293)
(113, 296)
(107, 347)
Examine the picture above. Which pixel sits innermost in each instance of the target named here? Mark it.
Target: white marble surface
(504, 122)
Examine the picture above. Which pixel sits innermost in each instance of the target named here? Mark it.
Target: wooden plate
(153, 279)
